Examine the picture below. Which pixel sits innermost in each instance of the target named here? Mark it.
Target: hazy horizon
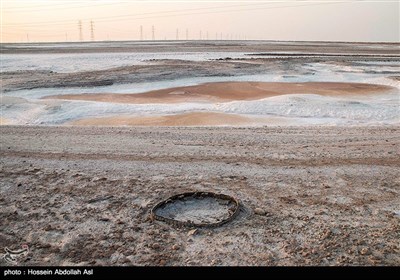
(58, 21)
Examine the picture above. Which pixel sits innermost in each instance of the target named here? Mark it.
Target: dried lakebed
(314, 196)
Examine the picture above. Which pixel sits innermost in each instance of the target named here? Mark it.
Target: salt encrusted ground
(82, 195)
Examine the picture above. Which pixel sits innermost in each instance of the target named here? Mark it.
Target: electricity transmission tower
(91, 30)
(141, 33)
(152, 33)
(80, 31)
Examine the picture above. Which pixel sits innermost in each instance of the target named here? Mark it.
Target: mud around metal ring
(196, 209)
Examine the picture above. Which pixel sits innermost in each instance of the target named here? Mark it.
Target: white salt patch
(301, 109)
(77, 62)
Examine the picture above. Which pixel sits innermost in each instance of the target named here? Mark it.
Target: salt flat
(64, 84)
(316, 172)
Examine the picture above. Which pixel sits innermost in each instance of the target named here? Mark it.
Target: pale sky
(57, 20)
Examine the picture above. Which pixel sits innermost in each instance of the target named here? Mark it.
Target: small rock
(326, 234)
(131, 258)
(34, 170)
(175, 247)
(259, 211)
(115, 257)
(162, 262)
(43, 246)
(270, 256)
(97, 179)
(145, 203)
(374, 260)
(314, 251)
(48, 228)
(364, 251)
(192, 232)
(155, 246)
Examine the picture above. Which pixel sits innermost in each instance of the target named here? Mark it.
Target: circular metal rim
(154, 216)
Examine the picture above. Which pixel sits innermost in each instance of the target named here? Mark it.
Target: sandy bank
(4, 121)
(231, 91)
(187, 119)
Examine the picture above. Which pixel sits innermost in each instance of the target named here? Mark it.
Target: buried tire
(196, 209)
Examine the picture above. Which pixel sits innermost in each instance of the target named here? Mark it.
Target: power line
(195, 9)
(63, 6)
(202, 13)
(91, 30)
(80, 31)
(213, 12)
(58, 7)
(228, 11)
(35, 6)
(141, 14)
